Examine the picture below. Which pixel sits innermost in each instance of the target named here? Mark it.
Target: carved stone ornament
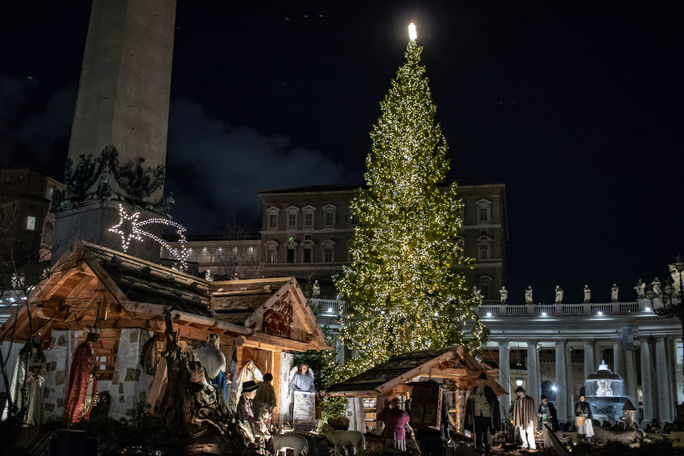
(104, 178)
(277, 320)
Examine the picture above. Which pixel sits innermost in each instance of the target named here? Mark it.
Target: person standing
(523, 414)
(482, 416)
(82, 382)
(395, 420)
(547, 417)
(245, 409)
(265, 398)
(583, 417)
(27, 381)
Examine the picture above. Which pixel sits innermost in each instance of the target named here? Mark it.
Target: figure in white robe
(248, 372)
(27, 381)
(302, 380)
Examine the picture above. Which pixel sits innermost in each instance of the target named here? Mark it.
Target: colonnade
(655, 378)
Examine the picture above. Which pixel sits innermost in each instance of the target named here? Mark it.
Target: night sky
(576, 107)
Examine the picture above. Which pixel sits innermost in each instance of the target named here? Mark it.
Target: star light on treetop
(129, 229)
(413, 34)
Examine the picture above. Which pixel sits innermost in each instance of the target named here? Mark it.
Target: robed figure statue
(82, 382)
(27, 381)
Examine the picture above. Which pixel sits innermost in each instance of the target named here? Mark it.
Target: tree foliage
(405, 288)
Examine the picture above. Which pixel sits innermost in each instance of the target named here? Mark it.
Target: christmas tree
(405, 289)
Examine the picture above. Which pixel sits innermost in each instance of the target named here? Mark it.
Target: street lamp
(670, 308)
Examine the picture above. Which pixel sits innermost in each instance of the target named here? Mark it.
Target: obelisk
(117, 150)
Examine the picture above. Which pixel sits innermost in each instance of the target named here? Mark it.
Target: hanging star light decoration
(129, 228)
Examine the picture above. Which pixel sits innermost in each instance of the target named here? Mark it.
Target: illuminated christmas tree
(405, 289)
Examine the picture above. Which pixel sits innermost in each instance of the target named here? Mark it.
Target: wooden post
(158, 385)
(275, 362)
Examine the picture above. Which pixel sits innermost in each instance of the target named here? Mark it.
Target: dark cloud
(34, 127)
(216, 170)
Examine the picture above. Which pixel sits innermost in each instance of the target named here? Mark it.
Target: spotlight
(519, 382)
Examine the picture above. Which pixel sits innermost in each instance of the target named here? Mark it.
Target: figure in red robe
(82, 382)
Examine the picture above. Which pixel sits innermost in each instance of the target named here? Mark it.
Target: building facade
(551, 349)
(306, 233)
(27, 223)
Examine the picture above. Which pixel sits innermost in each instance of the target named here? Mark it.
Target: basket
(579, 421)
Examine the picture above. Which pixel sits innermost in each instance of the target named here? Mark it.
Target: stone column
(631, 377)
(561, 382)
(129, 383)
(664, 392)
(505, 373)
(57, 366)
(286, 361)
(618, 365)
(672, 370)
(533, 386)
(646, 381)
(570, 381)
(589, 362)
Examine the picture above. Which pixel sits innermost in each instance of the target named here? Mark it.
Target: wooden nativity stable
(425, 378)
(259, 320)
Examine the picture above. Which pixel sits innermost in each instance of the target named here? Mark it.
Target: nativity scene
(197, 352)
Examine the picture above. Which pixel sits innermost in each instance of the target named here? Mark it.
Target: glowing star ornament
(413, 34)
(129, 229)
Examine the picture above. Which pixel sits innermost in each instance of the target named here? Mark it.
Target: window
(484, 289)
(484, 284)
(329, 213)
(30, 223)
(272, 255)
(250, 250)
(204, 256)
(328, 251)
(272, 217)
(291, 254)
(484, 233)
(484, 211)
(308, 254)
(308, 212)
(483, 253)
(235, 251)
(292, 219)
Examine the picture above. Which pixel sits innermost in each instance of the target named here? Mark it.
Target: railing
(550, 310)
(326, 307)
(332, 307)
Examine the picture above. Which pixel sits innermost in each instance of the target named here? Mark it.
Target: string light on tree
(129, 228)
(405, 289)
